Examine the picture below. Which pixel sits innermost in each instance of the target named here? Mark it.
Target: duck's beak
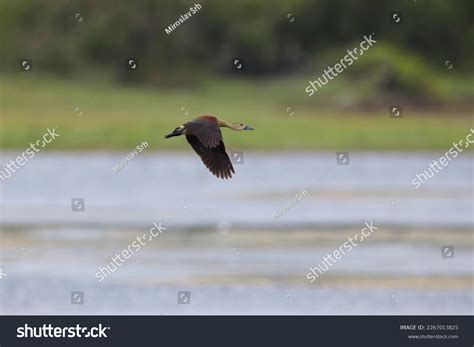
(248, 128)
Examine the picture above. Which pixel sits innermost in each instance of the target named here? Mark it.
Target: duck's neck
(223, 123)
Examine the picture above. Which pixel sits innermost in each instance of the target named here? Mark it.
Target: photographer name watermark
(130, 156)
(184, 17)
(289, 204)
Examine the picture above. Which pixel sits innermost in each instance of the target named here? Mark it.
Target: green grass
(118, 117)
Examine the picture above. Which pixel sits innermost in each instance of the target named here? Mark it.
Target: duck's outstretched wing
(206, 129)
(216, 158)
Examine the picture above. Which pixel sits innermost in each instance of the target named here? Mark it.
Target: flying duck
(205, 137)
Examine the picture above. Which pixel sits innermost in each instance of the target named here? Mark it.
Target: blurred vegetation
(111, 117)
(80, 51)
(260, 32)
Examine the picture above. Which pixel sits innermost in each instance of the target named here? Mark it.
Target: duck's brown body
(205, 137)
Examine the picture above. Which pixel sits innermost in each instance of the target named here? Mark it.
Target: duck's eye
(241, 125)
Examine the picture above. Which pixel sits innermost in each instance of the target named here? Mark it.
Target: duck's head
(241, 126)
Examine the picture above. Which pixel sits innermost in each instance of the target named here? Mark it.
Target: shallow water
(176, 187)
(237, 272)
(222, 242)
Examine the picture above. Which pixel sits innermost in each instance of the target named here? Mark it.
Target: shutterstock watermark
(48, 331)
(444, 160)
(289, 204)
(27, 154)
(130, 156)
(338, 253)
(349, 58)
(127, 252)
